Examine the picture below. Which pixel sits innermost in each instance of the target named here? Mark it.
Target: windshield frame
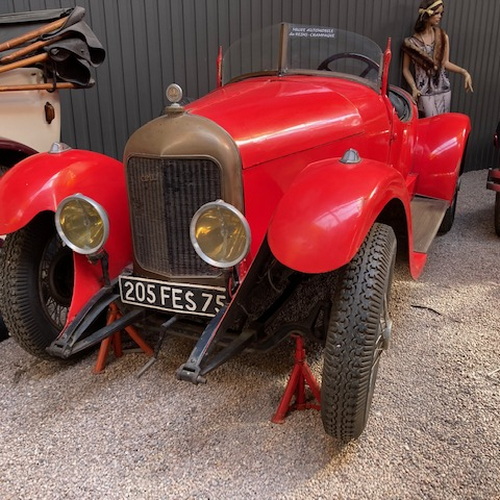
(284, 54)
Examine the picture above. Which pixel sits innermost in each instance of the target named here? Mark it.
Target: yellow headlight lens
(82, 224)
(220, 234)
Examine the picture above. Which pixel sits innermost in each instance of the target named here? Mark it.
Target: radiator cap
(174, 95)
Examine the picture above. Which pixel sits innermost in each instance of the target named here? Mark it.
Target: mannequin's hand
(468, 82)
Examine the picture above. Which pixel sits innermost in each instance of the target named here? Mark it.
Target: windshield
(297, 48)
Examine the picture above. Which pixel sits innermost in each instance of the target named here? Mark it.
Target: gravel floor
(433, 433)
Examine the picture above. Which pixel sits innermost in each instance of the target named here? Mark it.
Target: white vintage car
(30, 120)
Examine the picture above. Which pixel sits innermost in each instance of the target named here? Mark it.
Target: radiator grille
(164, 195)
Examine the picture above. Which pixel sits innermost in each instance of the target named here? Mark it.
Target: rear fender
(12, 152)
(323, 218)
(438, 154)
(38, 184)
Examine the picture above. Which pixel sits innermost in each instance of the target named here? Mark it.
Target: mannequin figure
(426, 61)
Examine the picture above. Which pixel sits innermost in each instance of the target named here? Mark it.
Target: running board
(427, 215)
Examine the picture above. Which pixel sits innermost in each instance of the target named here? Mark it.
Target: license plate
(172, 297)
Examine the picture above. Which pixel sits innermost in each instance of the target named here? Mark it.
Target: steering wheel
(370, 63)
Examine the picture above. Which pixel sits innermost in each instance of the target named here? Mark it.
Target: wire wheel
(37, 270)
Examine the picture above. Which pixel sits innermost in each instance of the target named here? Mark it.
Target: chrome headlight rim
(102, 214)
(192, 233)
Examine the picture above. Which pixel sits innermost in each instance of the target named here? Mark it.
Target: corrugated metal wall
(151, 43)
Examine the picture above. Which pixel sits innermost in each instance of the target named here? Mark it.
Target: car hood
(274, 117)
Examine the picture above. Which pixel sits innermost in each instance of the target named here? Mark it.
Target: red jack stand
(115, 340)
(301, 374)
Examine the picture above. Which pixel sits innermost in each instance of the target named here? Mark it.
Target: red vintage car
(493, 183)
(275, 205)
(37, 59)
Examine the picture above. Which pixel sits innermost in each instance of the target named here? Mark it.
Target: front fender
(39, 183)
(324, 217)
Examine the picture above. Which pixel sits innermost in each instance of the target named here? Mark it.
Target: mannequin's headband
(430, 11)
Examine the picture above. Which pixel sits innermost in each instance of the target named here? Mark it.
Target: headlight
(82, 224)
(220, 234)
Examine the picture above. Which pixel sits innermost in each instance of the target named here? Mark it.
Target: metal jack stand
(115, 341)
(296, 385)
(154, 358)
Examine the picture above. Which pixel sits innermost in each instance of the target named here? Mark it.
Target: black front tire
(358, 331)
(37, 273)
(3, 329)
